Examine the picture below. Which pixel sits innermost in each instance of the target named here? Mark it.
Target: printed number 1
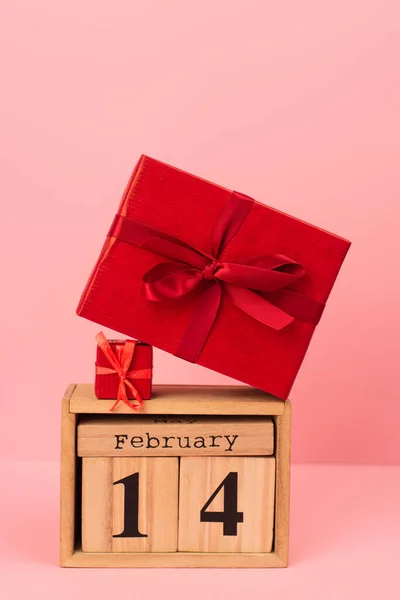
(131, 507)
(230, 516)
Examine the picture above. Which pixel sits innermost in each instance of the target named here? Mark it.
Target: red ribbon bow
(121, 369)
(257, 287)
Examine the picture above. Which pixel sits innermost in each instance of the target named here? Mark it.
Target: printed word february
(151, 442)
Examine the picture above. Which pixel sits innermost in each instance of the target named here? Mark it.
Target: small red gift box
(213, 276)
(123, 371)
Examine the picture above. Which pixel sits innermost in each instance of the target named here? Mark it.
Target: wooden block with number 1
(129, 504)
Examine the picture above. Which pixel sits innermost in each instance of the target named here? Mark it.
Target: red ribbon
(258, 287)
(121, 369)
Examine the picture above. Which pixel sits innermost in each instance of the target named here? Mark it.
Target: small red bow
(121, 369)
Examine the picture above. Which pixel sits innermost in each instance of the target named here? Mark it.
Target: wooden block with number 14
(226, 504)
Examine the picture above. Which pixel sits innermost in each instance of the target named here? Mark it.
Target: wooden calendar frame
(183, 400)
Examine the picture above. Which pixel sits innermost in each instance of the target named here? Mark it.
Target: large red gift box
(213, 276)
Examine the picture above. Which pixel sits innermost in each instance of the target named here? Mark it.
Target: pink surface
(345, 528)
(294, 103)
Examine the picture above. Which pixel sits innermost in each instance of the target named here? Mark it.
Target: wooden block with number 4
(129, 504)
(226, 504)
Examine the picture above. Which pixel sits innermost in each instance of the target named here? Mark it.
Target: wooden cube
(226, 504)
(224, 450)
(129, 504)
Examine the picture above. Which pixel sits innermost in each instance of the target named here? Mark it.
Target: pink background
(294, 103)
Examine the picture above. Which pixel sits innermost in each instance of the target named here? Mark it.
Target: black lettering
(149, 439)
(187, 442)
(120, 439)
(230, 442)
(230, 517)
(166, 441)
(199, 442)
(131, 510)
(213, 438)
(137, 441)
(174, 420)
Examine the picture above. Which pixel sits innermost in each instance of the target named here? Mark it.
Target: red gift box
(123, 371)
(213, 276)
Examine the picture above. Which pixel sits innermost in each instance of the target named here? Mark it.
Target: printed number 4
(230, 516)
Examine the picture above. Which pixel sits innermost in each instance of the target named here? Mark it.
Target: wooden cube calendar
(198, 478)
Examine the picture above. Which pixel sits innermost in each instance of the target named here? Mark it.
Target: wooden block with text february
(167, 435)
(199, 477)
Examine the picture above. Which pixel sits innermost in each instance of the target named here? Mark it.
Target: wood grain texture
(185, 399)
(282, 501)
(103, 504)
(68, 475)
(136, 435)
(212, 403)
(183, 560)
(97, 504)
(199, 479)
(158, 504)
